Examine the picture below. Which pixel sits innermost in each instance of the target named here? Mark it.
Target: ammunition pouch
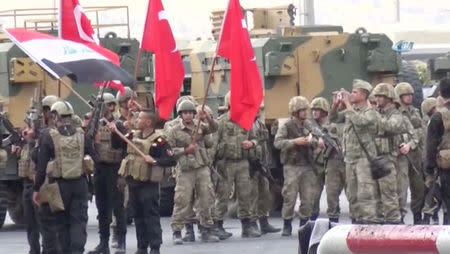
(3, 158)
(140, 170)
(50, 193)
(379, 167)
(443, 159)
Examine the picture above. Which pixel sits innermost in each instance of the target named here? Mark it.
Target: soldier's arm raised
(336, 116)
(369, 117)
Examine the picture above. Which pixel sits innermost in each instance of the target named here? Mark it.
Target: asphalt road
(13, 238)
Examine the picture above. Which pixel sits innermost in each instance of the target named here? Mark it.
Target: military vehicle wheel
(166, 201)
(408, 73)
(3, 210)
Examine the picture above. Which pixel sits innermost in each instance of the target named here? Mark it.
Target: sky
(190, 19)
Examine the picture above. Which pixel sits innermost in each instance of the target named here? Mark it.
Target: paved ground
(13, 238)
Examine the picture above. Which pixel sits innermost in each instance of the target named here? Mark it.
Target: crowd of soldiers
(370, 142)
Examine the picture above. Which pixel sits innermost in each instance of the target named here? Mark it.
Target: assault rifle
(91, 130)
(14, 137)
(330, 143)
(257, 166)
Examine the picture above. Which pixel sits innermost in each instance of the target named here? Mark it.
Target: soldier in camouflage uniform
(390, 127)
(361, 118)
(295, 143)
(222, 186)
(192, 175)
(235, 146)
(108, 197)
(430, 211)
(413, 148)
(261, 205)
(333, 162)
(319, 112)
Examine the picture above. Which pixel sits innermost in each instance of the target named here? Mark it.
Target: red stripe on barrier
(393, 239)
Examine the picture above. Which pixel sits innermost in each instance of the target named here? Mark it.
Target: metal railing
(47, 18)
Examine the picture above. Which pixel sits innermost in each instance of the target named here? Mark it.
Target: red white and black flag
(246, 85)
(67, 58)
(169, 70)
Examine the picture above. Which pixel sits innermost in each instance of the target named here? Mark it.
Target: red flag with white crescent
(169, 70)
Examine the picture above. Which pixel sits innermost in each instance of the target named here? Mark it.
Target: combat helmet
(62, 108)
(427, 105)
(384, 89)
(320, 103)
(127, 94)
(108, 98)
(403, 88)
(184, 98)
(49, 100)
(297, 103)
(186, 105)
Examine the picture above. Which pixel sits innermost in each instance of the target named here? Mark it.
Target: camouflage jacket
(390, 128)
(262, 134)
(365, 122)
(415, 119)
(336, 131)
(180, 136)
(290, 153)
(230, 137)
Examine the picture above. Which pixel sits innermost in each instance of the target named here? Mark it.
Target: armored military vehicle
(309, 61)
(21, 79)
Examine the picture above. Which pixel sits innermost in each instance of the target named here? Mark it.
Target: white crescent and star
(162, 15)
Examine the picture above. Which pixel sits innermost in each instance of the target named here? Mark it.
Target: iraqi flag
(67, 58)
(245, 85)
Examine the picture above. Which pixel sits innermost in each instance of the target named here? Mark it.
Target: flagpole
(211, 73)
(116, 131)
(138, 63)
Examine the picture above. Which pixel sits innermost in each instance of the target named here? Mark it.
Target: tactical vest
(134, 165)
(232, 137)
(69, 154)
(105, 150)
(299, 154)
(26, 166)
(386, 143)
(443, 155)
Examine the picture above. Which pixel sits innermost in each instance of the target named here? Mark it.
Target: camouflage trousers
(298, 180)
(222, 193)
(261, 196)
(239, 177)
(320, 169)
(416, 182)
(375, 201)
(402, 183)
(334, 184)
(190, 185)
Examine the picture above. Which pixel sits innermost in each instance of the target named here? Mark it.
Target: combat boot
(254, 225)
(426, 219)
(248, 230)
(417, 217)
(445, 219)
(177, 238)
(208, 237)
(287, 228)
(141, 251)
(435, 219)
(102, 247)
(121, 245)
(302, 222)
(334, 220)
(220, 232)
(190, 234)
(266, 227)
(154, 249)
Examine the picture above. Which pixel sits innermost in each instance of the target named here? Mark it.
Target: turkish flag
(169, 70)
(246, 86)
(75, 26)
